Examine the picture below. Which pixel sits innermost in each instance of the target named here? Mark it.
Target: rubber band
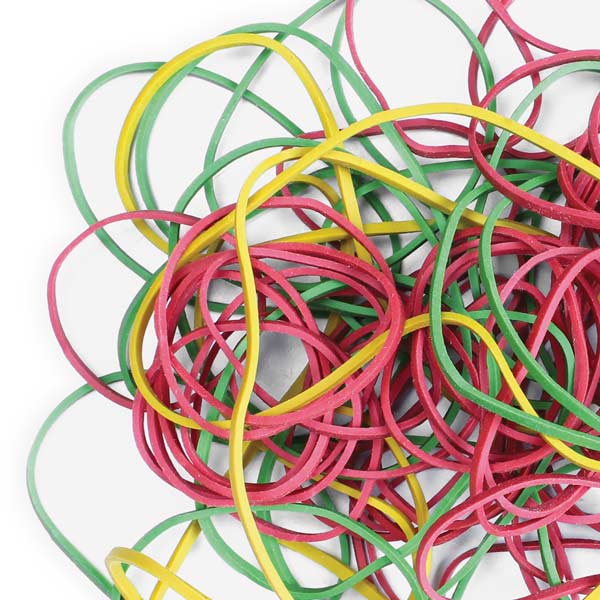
(422, 351)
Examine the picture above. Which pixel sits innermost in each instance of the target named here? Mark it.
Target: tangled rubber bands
(460, 344)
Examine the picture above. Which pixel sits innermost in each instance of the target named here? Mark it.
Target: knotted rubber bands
(461, 342)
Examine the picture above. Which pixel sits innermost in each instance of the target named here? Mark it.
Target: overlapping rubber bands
(461, 342)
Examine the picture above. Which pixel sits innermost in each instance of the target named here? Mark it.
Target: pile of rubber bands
(480, 377)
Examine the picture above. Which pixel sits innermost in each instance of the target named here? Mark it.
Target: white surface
(50, 51)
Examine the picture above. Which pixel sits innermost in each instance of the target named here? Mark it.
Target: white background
(95, 484)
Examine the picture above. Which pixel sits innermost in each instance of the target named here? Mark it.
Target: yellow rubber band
(249, 201)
